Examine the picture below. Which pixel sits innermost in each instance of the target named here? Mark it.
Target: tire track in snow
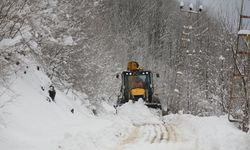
(151, 133)
(148, 131)
(165, 136)
(162, 133)
(132, 136)
(154, 134)
(171, 133)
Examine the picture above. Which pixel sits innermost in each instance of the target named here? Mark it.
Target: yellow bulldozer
(137, 83)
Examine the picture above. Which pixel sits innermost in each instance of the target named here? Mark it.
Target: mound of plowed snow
(209, 133)
(138, 113)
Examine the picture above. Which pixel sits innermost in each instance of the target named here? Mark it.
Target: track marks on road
(152, 133)
(132, 136)
(171, 133)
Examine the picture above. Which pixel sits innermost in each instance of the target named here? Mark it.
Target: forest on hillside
(83, 44)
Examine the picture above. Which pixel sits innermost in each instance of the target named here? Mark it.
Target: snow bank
(209, 133)
(137, 113)
(29, 121)
(244, 32)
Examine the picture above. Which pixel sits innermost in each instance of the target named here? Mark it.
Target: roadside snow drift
(28, 121)
(209, 133)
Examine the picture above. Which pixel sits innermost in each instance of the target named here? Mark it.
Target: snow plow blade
(153, 105)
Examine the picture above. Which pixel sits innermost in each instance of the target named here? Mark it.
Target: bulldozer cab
(136, 84)
(138, 80)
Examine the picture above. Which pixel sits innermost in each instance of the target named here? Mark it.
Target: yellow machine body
(138, 92)
(133, 66)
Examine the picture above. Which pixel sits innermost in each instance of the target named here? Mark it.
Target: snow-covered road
(149, 130)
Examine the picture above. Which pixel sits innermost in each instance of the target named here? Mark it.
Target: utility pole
(187, 49)
(239, 94)
(222, 85)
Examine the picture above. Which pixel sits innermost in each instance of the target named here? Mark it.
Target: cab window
(137, 81)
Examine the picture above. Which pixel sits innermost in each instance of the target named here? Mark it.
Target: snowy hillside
(30, 122)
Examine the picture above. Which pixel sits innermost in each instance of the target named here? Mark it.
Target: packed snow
(28, 121)
(244, 32)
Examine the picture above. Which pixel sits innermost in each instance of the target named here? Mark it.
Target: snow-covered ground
(29, 122)
(209, 133)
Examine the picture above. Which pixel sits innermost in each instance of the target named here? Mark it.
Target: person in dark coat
(52, 93)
